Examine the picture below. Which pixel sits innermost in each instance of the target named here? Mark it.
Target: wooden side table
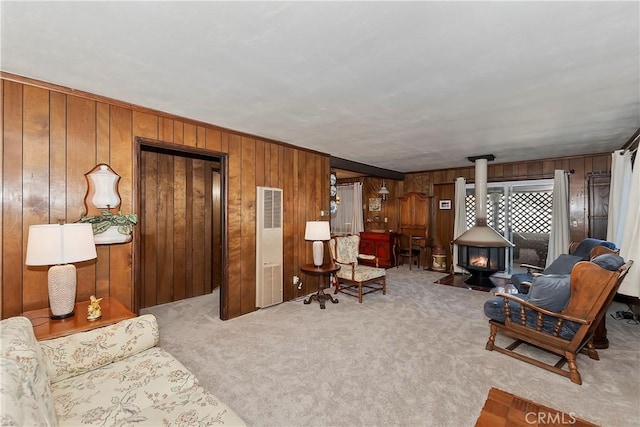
(46, 328)
(323, 270)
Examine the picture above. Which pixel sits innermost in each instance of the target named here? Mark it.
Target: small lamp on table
(317, 231)
(60, 245)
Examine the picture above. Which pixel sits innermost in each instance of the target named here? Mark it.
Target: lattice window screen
(495, 221)
(531, 212)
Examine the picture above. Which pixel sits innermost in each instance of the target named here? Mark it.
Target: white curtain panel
(630, 247)
(618, 195)
(460, 219)
(342, 220)
(559, 236)
(358, 215)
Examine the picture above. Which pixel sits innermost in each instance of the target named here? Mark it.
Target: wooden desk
(323, 270)
(46, 328)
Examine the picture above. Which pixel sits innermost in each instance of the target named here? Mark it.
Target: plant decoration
(101, 223)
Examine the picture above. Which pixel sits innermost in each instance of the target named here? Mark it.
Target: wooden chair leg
(384, 285)
(591, 351)
(492, 338)
(573, 368)
(360, 292)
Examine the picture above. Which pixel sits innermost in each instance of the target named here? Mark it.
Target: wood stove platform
(458, 280)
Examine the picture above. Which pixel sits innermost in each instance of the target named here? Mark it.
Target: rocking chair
(564, 331)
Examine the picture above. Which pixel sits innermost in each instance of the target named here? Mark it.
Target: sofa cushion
(116, 392)
(78, 353)
(18, 345)
(551, 291)
(192, 407)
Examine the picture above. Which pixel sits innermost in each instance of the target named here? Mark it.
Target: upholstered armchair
(560, 313)
(353, 277)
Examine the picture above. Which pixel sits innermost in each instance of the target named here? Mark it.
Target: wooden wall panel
(248, 225)
(35, 171)
(12, 239)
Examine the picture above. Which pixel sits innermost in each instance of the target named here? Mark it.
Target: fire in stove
(479, 261)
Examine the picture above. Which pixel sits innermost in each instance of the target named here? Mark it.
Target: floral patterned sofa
(110, 376)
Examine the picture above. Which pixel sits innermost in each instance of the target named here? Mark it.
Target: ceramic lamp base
(62, 290)
(318, 253)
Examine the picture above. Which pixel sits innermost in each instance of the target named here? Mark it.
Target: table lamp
(317, 231)
(60, 245)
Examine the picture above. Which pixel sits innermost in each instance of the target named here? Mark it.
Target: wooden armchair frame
(592, 290)
(345, 280)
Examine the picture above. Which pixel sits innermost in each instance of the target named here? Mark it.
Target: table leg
(321, 297)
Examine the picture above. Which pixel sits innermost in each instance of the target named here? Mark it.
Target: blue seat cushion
(494, 309)
(562, 265)
(611, 262)
(551, 291)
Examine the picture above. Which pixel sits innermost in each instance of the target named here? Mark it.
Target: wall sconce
(384, 192)
(317, 231)
(60, 245)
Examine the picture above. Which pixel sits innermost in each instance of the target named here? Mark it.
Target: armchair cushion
(611, 262)
(551, 291)
(361, 273)
(562, 265)
(346, 250)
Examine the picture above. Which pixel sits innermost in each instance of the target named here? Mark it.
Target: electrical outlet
(296, 280)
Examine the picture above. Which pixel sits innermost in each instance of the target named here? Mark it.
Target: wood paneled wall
(52, 136)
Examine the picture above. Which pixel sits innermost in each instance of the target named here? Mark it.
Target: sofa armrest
(76, 354)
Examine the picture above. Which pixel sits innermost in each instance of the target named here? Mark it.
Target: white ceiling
(407, 86)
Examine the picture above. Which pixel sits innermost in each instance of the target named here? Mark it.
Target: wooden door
(599, 186)
(180, 232)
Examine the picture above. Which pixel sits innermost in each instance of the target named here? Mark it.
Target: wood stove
(481, 250)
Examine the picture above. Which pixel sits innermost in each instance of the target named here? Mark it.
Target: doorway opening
(180, 194)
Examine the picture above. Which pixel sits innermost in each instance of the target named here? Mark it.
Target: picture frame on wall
(375, 204)
(445, 204)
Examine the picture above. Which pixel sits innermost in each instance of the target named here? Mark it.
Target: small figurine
(94, 312)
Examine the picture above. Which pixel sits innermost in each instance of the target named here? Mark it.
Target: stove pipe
(481, 235)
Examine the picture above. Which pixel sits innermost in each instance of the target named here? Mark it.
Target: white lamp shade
(51, 244)
(317, 230)
(104, 183)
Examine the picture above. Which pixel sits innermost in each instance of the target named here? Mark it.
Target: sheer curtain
(460, 221)
(348, 219)
(618, 195)
(630, 247)
(358, 216)
(559, 236)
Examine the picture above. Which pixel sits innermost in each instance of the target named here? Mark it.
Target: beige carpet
(414, 357)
